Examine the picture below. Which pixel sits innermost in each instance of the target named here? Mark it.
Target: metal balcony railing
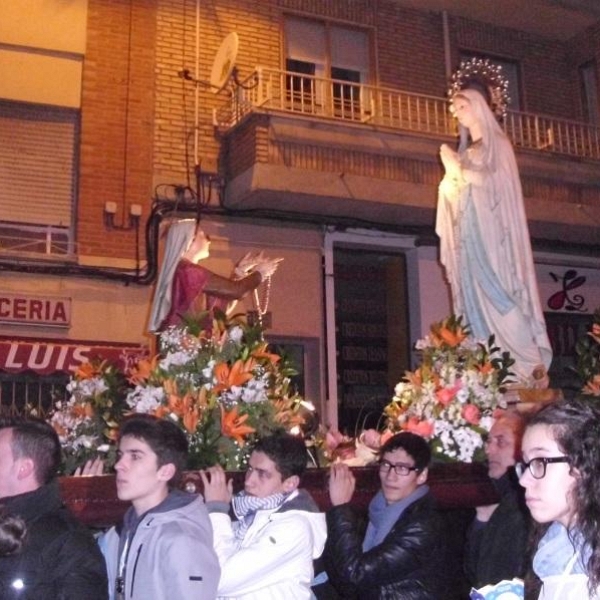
(37, 240)
(274, 90)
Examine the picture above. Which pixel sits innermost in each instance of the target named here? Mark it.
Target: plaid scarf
(245, 508)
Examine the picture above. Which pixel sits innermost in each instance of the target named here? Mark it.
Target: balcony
(298, 94)
(340, 151)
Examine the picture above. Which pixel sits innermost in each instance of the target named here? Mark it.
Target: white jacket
(274, 561)
(170, 556)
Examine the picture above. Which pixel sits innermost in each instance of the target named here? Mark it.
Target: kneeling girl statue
(484, 238)
(186, 288)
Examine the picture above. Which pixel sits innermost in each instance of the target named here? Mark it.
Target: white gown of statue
(486, 250)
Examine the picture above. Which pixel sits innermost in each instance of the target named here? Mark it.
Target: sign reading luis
(35, 310)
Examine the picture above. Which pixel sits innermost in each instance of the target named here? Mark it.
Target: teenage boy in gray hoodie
(163, 549)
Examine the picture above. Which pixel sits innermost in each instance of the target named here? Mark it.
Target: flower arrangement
(332, 446)
(451, 398)
(588, 358)
(87, 421)
(223, 387)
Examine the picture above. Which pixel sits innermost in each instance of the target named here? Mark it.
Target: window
(510, 70)
(41, 66)
(28, 393)
(301, 91)
(37, 177)
(589, 93)
(304, 356)
(320, 52)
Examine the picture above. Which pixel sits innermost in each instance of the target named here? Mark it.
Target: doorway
(372, 335)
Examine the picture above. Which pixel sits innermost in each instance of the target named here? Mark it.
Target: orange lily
(453, 338)
(415, 378)
(84, 410)
(186, 408)
(421, 375)
(449, 332)
(239, 373)
(448, 336)
(261, 352)
(285, 414)
(486, 368)
(60, 430)
(87, 370)
(422, 428)
(191, 418)
(141, 372)
(182, 407)
(232, 425)
(162, 411)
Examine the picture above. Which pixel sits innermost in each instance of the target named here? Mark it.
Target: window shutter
(305, 41)
(37, 163)
(350, 49)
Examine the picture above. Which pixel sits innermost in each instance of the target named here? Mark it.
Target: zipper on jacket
(135, 564)
(120, 588)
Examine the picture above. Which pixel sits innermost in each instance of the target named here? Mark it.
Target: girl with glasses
(561, 476)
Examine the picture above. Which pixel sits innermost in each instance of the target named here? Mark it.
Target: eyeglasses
(385, 466)
(537, 466)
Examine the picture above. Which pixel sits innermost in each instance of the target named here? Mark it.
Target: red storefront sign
(44, 357)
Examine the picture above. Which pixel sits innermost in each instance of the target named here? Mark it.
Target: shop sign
(35, 310)
(44, 358)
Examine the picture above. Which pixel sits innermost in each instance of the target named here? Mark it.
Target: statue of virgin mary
(484, 240)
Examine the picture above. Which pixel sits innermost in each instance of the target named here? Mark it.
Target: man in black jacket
(497, 537)
(402, 553)
(59, 559)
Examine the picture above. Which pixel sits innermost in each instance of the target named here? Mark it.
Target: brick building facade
(288, 180)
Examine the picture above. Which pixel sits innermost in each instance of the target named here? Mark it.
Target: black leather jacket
(407, 565)
(59, 560)
(497, 550)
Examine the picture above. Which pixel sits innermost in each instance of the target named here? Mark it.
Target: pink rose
(344, 452)
(422, 428)
(333, 439)
(446, 395)
(371, 438)
(471, 414)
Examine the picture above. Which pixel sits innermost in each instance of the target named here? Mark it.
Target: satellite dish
(224, 62)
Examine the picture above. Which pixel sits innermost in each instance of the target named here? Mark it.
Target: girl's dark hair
(575, 425)
(12, 533)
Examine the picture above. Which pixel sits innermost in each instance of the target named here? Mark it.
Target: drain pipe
(197, 89)
(447, 54)
(330, 341)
